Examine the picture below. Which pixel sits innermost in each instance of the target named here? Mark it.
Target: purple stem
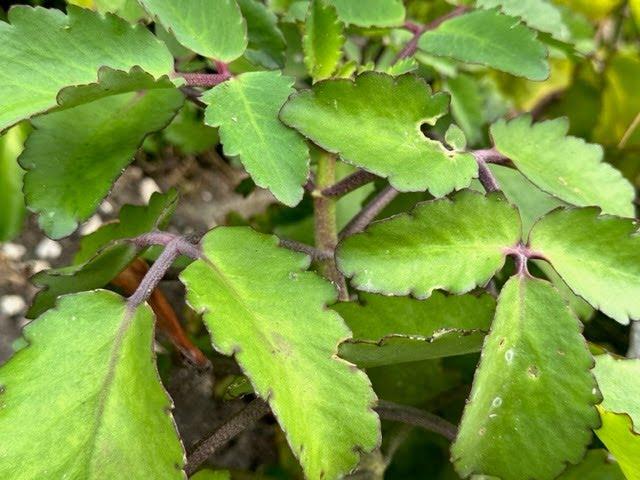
(313, 252)
(349, 184)
(491, 155)
(153, 276)
(486, 178)
(246, 417)
(181, 244)
(204, 79)
(522, 254)
(369, 212)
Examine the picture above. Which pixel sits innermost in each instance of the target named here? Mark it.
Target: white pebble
(39, 266)
(47, 248)
(12, 305)
(91, 225)
(148, 187)
(206, 196)
(106, 207)
(135, 173)
(13, 251)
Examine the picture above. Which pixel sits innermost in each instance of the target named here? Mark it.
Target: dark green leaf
(266, 42)
(216, 31)
(489, 38)
(74, 155)
(388, 330)
(102, 256)
(58, 51)
(12, 208)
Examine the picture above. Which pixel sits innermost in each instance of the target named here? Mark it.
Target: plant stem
(417, 418)
(411, 47)
(184, 246)
(246, 417)
(629, 131)
(258, 408)
(349, 184)
(204, 79)
(314, 253)
(326, 230)
(486, 178)
(491, 155)
(151, 279)
(369, 212)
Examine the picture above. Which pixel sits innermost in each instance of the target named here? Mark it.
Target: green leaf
(598, 257)
(455, 137)
(48, 45)
(73, 156)
(538, 14)
(389, 330)
(562, 165)
(211, 475)
(246, 301)
(323, 40)
(103, 254)
(634, 6)
(532, 202)
(467, 105)
(533, 379)
(244, 285)
(348, 117)
(492, 39)
(215, 30)
(415, 383)
(130, 10)
(596, 465)
(13, 210)
(372, 13)
(582, 309)
(453, 245)
(617, 123)
(618, 436)
(619, 381)
(246, 110)
(188, 132)
(84, 400)
(266, 42)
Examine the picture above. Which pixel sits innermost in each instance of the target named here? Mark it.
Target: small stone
(135, 172)
(13, 251)
(91, 225)
(106, 207)
(148, 187)
(206, 196)
(12, 305)
(39, 266)
(48, 249)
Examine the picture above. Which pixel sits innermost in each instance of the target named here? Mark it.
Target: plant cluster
(437, 193)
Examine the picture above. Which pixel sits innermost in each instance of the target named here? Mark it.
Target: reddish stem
(204, 79)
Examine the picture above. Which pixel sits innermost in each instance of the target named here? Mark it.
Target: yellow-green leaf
(260, 304)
